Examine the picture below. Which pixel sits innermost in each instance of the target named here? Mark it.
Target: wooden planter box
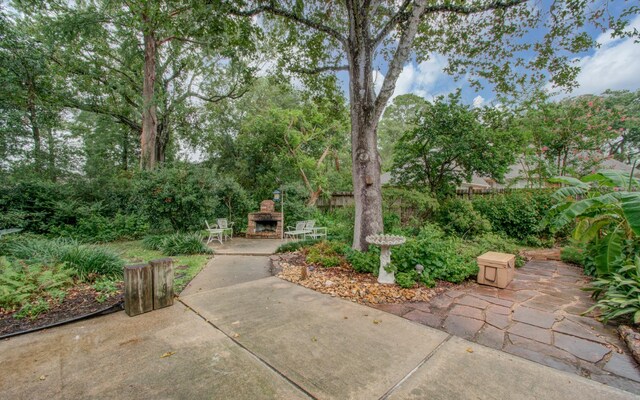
(496, 269)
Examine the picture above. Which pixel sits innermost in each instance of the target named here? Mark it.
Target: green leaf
(611, 178)
(569, 180)
(631, 208)
(568, 191)
(610, 250)
(636, 317)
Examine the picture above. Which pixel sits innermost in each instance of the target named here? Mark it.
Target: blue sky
(614, 65)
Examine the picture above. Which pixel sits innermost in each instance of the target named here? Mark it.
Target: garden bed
(344, 282)
(80, 301)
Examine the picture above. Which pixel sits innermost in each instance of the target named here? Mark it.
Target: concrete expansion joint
(251, 353)
(420, 364)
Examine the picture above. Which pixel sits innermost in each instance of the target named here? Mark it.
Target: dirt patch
(346, 283)
(79, 301)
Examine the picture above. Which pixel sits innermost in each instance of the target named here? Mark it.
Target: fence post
(162, 282)
(138, 289)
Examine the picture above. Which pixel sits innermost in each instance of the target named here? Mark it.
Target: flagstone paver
(537, 317)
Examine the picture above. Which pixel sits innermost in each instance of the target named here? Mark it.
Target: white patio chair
(214, 233)
(226, 226)
(296, 232)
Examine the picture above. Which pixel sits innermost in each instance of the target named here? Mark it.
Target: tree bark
(35, 128)
(148, 154)
(366, 160)
(51, 148)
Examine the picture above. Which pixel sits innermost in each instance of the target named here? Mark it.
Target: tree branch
(318, 70)
(292, 16)
(394, 21)
(399, 58)
(468, 10)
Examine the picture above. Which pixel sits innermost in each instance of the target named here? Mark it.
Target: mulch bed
(80, 301)
(344, 282)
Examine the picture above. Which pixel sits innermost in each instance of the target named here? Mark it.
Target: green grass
(134, 252)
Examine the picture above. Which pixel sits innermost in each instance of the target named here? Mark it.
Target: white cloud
(422, 78)
(478, 101)
(613, 66)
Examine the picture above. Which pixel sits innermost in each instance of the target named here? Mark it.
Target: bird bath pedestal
(385, 242)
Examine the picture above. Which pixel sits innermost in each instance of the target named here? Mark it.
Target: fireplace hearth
(266, 224)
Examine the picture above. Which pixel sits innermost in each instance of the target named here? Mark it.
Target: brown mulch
(346, 283)
(79, 301)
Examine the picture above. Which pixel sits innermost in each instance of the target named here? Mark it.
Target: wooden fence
(343, 199)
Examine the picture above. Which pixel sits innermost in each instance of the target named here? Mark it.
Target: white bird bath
(385, 242)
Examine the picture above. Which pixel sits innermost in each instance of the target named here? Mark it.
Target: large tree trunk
(148, 158)
(364, 122)
(51, 147)
(35, 127)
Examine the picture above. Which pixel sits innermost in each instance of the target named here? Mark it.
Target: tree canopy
(452, 142)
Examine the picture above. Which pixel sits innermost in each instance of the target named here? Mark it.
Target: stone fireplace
(266, 224)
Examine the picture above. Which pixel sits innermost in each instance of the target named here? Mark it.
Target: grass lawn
(187, 266)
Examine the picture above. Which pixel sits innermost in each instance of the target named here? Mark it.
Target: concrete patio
(236, 334)
(537, 317)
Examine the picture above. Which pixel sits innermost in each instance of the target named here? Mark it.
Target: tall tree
(452, 142)
(144, 63)
(27, 83)
(484, 39)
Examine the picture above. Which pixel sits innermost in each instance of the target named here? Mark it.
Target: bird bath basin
(385, 242)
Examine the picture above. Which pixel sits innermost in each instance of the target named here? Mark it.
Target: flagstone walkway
(537, 317)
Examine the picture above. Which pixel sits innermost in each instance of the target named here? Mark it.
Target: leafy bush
(458, 216)
(98, 228)
(90, 262)
(295, 246)
(572, 255)
(177, 243)
(22, 284)
(326, 254)
(87, 262)
(365, 261)
(617, 293)
(407, 279)
(339, 223)
(177, 198)
(30, 204)
(153, 242)
(517, 214)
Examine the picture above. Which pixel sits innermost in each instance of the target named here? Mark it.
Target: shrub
(87, 262)
(365, 261)
(90, 262)
(339, 223)
(572, 255)
(21, 284)
(30, 204)
(153, 242)
(617, 293)
(324, 254)
(184, 243)
(177, 243)
(518, 214)
(177, 198)
(98, 228)
(457, 216)
(407, 279)
(295, 246)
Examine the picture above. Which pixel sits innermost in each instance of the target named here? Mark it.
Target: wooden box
(496, 269)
